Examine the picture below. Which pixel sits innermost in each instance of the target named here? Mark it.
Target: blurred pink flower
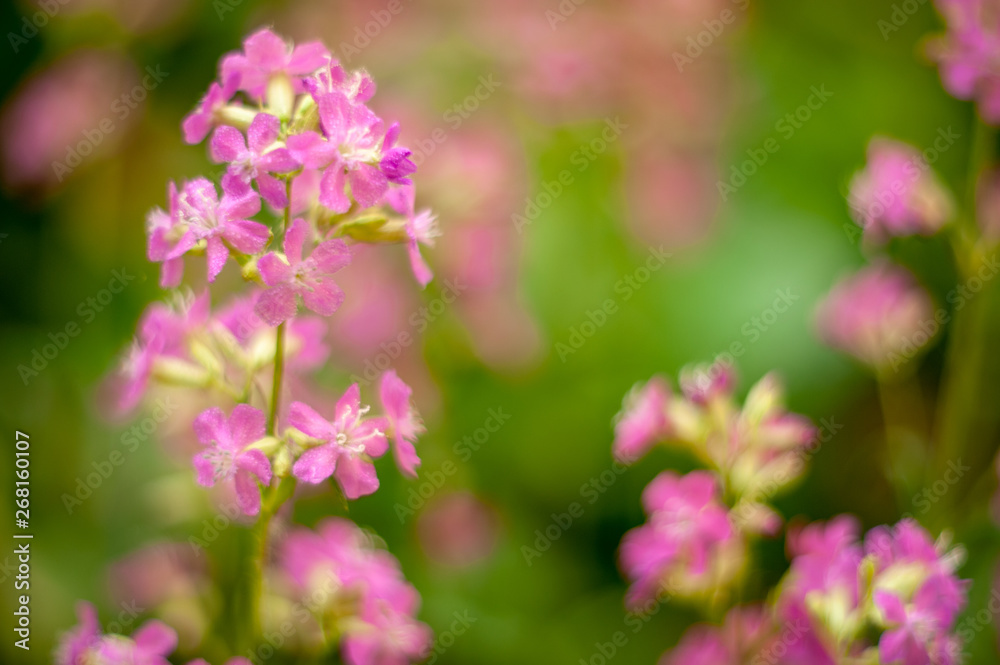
(404, 422)
(897, 194)
(62, 115)
(687, 532)
(458, 530)
(878, 315)
(745, 637)
(85, 644)
(968, 53)
(376, 606)
(642, 420)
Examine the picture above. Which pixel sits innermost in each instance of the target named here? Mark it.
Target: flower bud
(897, 194)
(879, 315)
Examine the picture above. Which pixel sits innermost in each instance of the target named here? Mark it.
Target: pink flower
(968, 53)
(747, 636)
(395, 162)
(916, 595)
(169, 240)
(222, 223)
(229, 456)
(75, 644)
(688, 529)
(875, 315)
(259, 160)
(305, 346)
(421, 229)
(85, 644)
(642, 420)
(403, 421)
(349, 443)
(199, 122)
(358, 85)
(266, 55)
(338, 565)
(162, 332)
(348, 153)
(897, 194)
(703, 383)
(292, 276)
(389, 637)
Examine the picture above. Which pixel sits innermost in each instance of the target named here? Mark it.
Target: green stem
(279, 370)
(274, 499)
(277, 494)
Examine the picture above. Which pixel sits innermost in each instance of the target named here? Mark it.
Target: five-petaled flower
(291, 276)
(258, 160)
(229, 455)
(348, 444)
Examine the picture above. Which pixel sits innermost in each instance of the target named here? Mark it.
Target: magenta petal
(323, 296)
(295, 239)
(304, 418)
(156, 637)
(227, 144)
(210, 427)
(266, 50)
(272, 190)
(276, 305)
(279, 160)
(263, 131)
(311, 150)
(331, 255)
(308, 57)
(239, 200)
(217, 254)
(368, 185)
(247, 425)
(405, 455)
(348, 406)
(196, 127)
(273, 270)
(204, 470)
(335, 116)
(257, 463)
(171, 272)
(420, 268)
(356, 477)
(331, 190)
(316, 465)
(247, 492)
(246, 236)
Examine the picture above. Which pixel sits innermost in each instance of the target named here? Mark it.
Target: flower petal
(316, 465)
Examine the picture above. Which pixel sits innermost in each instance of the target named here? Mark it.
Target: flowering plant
(294, 130)
(893, 596)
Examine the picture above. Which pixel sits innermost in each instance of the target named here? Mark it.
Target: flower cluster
(898, 585)
(150, 645)
(968, 53)
(694, 543)
(293, 128)
(355, 590)
(892, 599)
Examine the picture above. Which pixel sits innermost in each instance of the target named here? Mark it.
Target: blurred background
(575, 154)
